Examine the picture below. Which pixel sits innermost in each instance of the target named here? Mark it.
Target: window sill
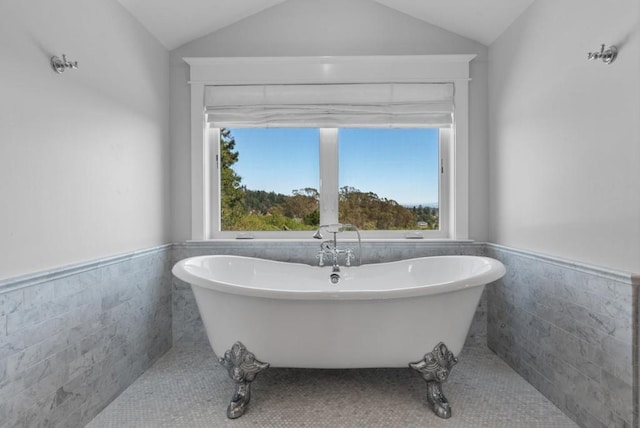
(311, 240)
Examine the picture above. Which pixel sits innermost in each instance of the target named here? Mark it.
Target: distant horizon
(283, 160)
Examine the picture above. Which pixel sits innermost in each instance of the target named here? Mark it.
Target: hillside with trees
(249, 209)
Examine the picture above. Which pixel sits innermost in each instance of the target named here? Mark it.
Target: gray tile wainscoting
(72, 339)
(187, 325)
(571, 331)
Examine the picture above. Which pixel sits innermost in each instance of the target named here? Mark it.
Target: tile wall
(72, 339)
(571, 331)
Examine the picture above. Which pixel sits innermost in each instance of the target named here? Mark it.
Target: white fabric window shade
(331, 106)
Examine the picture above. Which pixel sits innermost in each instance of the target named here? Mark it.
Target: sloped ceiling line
(176, 22)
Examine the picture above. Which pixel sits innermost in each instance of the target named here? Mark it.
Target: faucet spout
(329, 248)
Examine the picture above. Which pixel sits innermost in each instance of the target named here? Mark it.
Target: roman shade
(399, 105)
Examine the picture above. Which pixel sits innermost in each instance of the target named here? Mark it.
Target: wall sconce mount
(607, 56)
(60, 65)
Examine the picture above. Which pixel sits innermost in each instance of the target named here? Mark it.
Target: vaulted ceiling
(176, 22)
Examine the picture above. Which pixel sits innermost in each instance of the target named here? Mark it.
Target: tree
(261, 201)
(370, 212)
(302, 204)
(232, 192)
(427, 217)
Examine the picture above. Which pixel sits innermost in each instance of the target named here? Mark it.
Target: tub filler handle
(243, 367)
(434, 369)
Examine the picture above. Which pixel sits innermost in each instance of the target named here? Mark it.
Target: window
(269, 179)
(282, 95)
(389, 178)
(386, 181)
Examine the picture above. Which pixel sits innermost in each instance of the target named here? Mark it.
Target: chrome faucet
(329, 248)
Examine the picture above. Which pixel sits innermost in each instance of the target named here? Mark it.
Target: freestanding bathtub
(376, 315)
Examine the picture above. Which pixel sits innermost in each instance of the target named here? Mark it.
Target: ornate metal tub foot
(434, 369)
(243, 368)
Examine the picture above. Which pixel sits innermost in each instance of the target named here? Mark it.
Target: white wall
(565, 146)
(330, 27)
(84, 156)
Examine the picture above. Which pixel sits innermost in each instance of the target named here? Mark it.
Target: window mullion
(328, 175)
(446, 182)
(212, 155)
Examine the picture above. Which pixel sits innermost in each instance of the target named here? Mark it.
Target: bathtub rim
(496, 271)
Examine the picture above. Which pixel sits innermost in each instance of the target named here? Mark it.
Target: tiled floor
(188, 388)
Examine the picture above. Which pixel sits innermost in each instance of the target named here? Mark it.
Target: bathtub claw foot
(434, 369)
(239, 401)
(243, 367)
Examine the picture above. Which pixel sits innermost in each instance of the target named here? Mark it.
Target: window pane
(269, 179)
(389, 178)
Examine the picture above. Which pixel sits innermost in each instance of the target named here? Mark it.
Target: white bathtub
(378, 315)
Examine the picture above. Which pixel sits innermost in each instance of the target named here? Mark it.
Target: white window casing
(379, 79)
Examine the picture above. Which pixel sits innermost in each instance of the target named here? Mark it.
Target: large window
(385, 145)
(386, 181)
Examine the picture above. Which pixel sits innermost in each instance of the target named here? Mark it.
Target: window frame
(205, 187)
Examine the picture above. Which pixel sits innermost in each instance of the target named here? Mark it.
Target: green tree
(261, 201)
(427, 217)
(232, 192)
(370, 212)
(302, 203)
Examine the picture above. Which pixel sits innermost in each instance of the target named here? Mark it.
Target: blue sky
(281, 160)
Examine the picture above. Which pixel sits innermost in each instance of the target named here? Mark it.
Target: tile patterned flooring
(188, 388)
